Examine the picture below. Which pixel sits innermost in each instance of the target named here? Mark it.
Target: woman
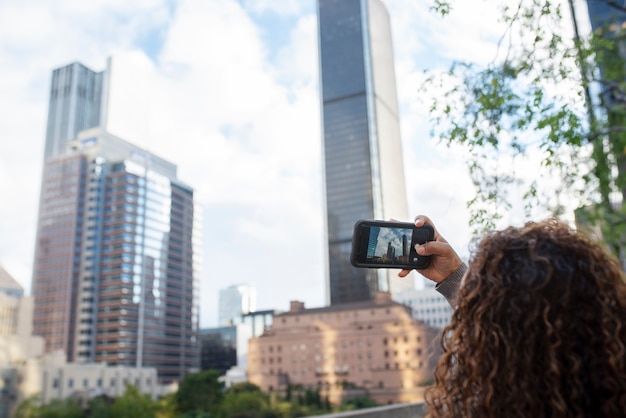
(539, 328)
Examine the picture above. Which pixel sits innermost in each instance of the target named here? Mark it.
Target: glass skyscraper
(77, 102)
(116, 267)
(364, 172)
(236, 301)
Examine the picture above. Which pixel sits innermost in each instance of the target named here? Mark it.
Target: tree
(28, 408)
(358, 402)
(65, 408)
(542, 101)
(133, 404)
(199, 392)
(244, 405)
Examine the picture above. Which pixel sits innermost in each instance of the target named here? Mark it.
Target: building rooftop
(381, 299)
(7, 282)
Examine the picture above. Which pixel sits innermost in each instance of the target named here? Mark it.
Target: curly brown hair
(539, 330)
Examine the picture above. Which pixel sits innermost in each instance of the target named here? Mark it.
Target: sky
(228, 90)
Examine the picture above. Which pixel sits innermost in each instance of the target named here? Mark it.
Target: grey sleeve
(449, 287)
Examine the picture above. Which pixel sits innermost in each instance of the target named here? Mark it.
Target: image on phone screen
(390, 245)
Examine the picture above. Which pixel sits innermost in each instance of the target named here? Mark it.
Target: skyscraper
(236, 301)
(115, 274)
(364, 173)
(77, 102)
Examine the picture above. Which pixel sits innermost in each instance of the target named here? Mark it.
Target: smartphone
(382, 244)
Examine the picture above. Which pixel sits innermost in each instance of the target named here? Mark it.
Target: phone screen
(389, 244)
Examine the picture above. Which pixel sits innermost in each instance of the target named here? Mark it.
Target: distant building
(17, 345)
(218, 348)
(235, 301)
(78, 101)
(259, 321)
(116, 266)
(363, 163)
(427, 305)
(26, 371)
(16, 310)
(9, 286)
(233, 376)
(61, 380)
(372, 347)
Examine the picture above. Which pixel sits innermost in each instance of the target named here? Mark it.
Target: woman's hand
(443, 259)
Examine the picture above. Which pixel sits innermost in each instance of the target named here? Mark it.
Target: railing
(405, 410)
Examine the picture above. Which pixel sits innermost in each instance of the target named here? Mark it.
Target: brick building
(372, 347)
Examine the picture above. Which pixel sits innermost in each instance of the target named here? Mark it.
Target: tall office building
(236, 301)
(364, 173)
(116, 255)
(77, 102)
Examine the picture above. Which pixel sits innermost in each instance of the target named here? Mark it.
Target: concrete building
(363, 164)
(372, 347)
(61, 380)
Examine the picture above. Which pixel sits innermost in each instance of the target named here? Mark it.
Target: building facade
(116, 267)
(61, 380)
(372, 347)
(363, 164)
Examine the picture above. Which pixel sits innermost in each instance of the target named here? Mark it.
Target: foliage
(133, 404)
(358, 402)
(32, 408)
(244, 405)
(199, 392)
(533, 110)
(244, 387)
(200, 395)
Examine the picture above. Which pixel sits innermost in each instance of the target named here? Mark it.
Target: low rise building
(60, 380)
(372, 347)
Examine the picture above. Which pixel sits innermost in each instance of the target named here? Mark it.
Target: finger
(404, 273)
(434, 248)
(420, 220)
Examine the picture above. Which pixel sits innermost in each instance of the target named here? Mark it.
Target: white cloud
(240, 119)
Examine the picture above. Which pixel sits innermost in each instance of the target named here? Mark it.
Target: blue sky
(228, 91)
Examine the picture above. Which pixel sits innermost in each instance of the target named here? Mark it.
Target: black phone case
(357, 245)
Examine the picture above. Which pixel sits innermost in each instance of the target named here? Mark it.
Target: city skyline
(245, 115)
